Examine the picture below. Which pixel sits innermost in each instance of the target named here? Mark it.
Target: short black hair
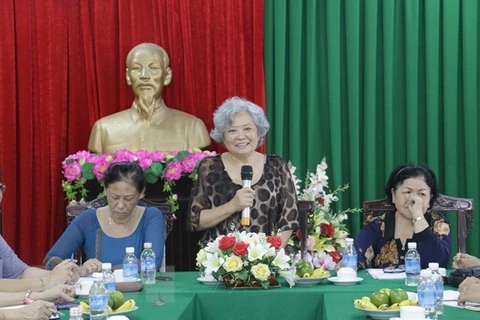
(129, 172)
(406, 171)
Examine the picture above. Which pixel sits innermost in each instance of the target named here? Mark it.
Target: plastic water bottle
(147, 264)
(349, 255)
(108, 277)
(426, 292)
(98, 298)
(438, 279)
(412, 265)
(130, 265)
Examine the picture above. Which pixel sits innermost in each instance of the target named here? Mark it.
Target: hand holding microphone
(247, 174)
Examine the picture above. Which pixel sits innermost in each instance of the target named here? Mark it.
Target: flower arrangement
(244, 259)
(327, 230)
(84, 165)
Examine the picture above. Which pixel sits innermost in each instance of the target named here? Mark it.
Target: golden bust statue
(149, 124)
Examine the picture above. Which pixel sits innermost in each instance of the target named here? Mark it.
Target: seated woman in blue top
(383, 240)
(104, 233)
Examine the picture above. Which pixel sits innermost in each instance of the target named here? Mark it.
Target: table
(187, 299)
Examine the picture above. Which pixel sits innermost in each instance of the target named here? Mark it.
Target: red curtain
(63, 67)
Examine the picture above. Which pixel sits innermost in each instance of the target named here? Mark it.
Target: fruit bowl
(310, 281)
(380, 314)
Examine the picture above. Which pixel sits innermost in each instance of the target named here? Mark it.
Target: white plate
(348, 282)
(118, 313)
(309, 281)
(209, 281)
(380, 314)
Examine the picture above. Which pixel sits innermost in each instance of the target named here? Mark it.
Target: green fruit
(397, 296)
(117, 299)
(386, 290)
(303, 266)
(378, 298)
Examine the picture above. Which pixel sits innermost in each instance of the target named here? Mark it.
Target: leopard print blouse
(275, 206)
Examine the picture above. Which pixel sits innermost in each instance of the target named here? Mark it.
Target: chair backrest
(305, 207)
(443, 204)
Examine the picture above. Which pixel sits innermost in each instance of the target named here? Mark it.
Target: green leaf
(87, 171)
(182, 155)
(157, 168)
(150, 176)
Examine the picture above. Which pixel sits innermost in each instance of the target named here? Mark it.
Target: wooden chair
(305, 207)
(73, 211)
(443, 204)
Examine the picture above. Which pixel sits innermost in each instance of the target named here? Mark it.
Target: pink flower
(309, 243)
(73, 171)
(323, 259)
(124, 156)
(145, 163)
(158, 156)
(82, 155)
(173, 171)
(99, 168)
(190, 162)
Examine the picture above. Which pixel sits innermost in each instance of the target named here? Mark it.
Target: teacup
(346, 274)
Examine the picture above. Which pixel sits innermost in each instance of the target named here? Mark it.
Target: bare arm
(211, 217)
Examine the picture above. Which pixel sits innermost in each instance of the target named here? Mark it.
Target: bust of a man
(149, 124)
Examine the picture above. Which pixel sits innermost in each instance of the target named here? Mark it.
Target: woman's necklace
(128, 225)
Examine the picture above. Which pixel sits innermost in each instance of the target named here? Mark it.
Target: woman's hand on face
(89, 267)
(415, 205)
(243, 199)
(463, 260)
(60, 293)
(65, 272)
(39, 310)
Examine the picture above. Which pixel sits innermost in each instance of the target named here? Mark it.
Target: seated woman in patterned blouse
(218, 198)
(383, 240)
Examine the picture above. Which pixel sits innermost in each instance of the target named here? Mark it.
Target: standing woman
(218, 197)
(104, 233)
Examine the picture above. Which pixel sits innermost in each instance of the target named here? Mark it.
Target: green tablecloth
(186, 298)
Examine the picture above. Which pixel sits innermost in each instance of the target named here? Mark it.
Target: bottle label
(98, 302)
(426, 299)
(349, 261)
(130, 270)
(439, 289)
(412, 266)
(110, 286)
(148, 265)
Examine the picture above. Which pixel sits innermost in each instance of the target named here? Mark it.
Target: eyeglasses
(3, 187)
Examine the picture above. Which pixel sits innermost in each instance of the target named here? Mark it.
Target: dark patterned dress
(376, 245)
(274, 208)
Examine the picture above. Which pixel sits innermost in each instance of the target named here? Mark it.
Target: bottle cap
(106, 266)
(433, 266)
(147, 245)
(412, 245)
(97, 275)
(130, 250)
(349, 240)
(425, 273)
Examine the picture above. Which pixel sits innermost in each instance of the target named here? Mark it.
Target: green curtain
(372, 84)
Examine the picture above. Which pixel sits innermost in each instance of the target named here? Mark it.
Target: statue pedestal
(181, 245)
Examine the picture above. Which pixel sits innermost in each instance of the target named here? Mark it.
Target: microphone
(247, 174)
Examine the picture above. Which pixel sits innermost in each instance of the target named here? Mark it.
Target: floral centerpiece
(242, 259)
(170, 167)
(327, 230)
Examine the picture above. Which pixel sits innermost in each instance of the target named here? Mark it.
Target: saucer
(347, 282)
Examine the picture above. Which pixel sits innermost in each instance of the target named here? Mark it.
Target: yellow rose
(261, 272)
(201, 256)
(233, 264)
